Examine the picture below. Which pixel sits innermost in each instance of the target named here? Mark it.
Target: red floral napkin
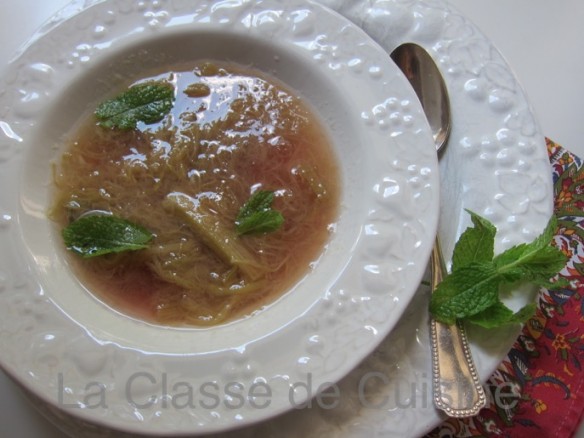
(542, 375)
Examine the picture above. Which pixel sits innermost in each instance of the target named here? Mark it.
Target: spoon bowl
(428, 83)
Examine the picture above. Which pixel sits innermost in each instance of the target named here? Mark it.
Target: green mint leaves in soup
(148, 103)
(257, 215)
(218, 132)
(98, 234)
(471, 292)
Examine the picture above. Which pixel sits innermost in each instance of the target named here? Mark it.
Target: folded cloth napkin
(538, 390)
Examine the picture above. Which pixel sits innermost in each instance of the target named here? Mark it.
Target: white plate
(97, 365)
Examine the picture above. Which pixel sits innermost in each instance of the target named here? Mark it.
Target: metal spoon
(456, 386)
(419, 68)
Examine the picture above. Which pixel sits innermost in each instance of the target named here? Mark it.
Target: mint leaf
(548, 233)
(476, 244)
(471, 291)
(148, 103)
(261, 222)
(257, 215)
(537, 259)
(537, 266)
(259, 201)
(499, 314)
(96, 235)
(536, 262)
(465, 292)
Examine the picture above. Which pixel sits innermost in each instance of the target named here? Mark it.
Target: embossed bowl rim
(315, 333)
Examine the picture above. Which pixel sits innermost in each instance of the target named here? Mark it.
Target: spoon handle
(456, 386)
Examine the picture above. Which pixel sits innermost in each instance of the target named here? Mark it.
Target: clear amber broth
(232, 131)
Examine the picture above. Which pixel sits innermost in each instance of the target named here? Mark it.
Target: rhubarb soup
(196, 195)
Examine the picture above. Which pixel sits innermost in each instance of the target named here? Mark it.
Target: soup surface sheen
(232, 132)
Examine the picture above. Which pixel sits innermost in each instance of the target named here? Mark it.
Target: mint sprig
(471, 291)
(148, 102)
(476, 244)
(257, 216)
(96, 235)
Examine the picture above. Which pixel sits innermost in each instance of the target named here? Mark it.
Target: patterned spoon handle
(456, 386)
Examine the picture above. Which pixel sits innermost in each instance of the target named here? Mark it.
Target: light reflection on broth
(232, 131)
